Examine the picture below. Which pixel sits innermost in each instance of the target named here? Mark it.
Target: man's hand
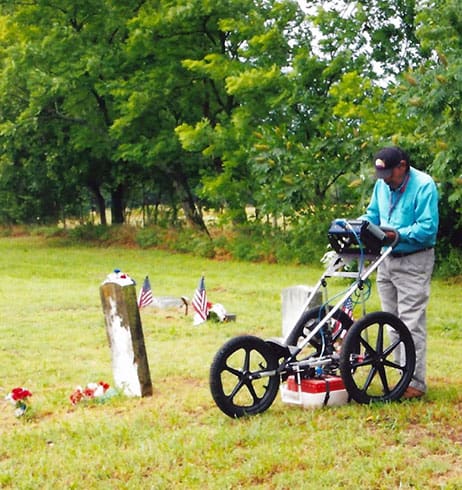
(391, 237)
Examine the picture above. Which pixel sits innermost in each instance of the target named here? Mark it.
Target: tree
(432, 95)
(59, 73)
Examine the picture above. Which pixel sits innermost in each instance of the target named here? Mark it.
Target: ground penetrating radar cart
(374, 355)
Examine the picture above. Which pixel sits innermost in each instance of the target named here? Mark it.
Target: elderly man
(406, 199)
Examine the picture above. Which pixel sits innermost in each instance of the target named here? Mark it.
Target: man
(406, 199)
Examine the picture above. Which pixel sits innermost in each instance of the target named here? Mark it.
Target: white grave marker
(125, 335)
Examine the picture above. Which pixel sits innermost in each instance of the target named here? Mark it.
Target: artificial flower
(91, 391)
(19, 397)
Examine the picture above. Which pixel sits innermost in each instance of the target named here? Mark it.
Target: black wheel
(235, 381)
(382, 367)
(331, 336)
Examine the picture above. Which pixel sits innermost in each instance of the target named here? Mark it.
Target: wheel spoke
(236, 372)
(393, 365)
(391, 347)
(252, 391)
(246, 360)
(369, 378)
(368, 348)
(380, 359)
(383, 378)
(236, 389)
(379, 343)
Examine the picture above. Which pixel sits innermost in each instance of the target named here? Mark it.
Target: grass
(53, 338)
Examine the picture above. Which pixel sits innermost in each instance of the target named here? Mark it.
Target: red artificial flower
(92, 390)
(89, 392)
(20, 394)
(104, 385)
(76, 396)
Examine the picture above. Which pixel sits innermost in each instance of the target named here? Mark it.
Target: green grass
(53, 338)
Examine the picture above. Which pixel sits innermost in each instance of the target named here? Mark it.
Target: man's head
(391, 165)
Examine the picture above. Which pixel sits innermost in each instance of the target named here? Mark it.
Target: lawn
(53, 338)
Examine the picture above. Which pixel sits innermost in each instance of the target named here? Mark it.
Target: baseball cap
(386, 160)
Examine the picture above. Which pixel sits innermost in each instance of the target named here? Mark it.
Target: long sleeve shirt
(412, 210)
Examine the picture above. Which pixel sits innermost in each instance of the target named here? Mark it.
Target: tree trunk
(188, 203)
(117, 205)
(100, 204)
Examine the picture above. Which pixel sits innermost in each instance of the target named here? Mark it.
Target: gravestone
(125, 335)
(293, 300)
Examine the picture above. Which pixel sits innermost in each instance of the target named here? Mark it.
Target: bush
(149, 237)
(49, 232)
(191, 241)
(90, 233)
(251, 242)
(448, 261)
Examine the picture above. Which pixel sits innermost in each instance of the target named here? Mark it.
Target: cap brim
(383, 173)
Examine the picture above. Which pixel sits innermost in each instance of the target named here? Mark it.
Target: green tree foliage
(222, 104)
(246, 71)
(279, 144)
(57, 63)
(432, 95)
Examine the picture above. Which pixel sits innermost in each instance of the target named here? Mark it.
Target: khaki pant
(404, 288)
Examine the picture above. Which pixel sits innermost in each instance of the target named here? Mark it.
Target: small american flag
(145, 298)
(347, 308)
(199, 303)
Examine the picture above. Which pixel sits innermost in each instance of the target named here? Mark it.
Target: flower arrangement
(19, 397)
(90, 392)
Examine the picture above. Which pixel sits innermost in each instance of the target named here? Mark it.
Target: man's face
(397, 176)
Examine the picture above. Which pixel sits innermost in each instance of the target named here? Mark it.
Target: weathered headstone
(293, 299)
(125, 335)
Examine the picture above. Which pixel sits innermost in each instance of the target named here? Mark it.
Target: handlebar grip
(395, 231)
(377, 231)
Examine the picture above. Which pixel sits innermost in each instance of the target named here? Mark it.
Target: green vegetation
(110, 105)
(251, 242)
(53, 338)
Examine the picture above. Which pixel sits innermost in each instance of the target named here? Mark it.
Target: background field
(53, 338)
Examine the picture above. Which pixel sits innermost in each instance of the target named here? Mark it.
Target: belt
(405, 254)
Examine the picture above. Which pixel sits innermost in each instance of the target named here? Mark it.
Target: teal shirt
(411, 209)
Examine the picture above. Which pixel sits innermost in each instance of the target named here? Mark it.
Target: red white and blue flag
(347, 308)
(145, 298)
(200, 304)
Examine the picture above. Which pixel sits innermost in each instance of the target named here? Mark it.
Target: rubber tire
(369, 376)
(310, 319)
(245, 396)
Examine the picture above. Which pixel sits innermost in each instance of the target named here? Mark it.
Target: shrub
(148, 237)
(448, 260)
(90, 233)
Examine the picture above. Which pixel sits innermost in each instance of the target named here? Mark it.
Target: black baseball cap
(386, 160)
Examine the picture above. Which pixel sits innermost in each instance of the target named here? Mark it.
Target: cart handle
(389, 242)
(380, 232)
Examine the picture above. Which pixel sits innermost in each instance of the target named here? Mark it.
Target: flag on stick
(347, 308)
(199, 303)
(145, 297)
